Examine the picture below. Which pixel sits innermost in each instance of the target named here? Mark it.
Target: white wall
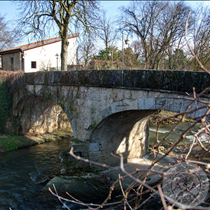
(45, 56)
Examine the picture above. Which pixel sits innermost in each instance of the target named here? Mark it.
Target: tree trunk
(146, 54)
(170, 60)
(64, 50)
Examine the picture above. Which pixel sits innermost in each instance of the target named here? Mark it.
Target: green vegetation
(75, 140)
(5, 103)
(12, 142)
(111, 58)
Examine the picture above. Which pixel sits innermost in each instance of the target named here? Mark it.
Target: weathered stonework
(176, 81)
(110, 112)
(37, 115)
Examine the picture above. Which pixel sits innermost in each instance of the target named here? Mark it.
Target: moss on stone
(13, 142)
(5, 104)
(75, 140)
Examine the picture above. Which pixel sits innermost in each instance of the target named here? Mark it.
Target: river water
(20, 171)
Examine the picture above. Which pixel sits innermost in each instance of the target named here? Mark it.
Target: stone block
(106, 112)
(80, 147)
(154, 79)
(117, 107)
(127, 94)
(193, 79)
(30, 88)
(39, 78)
(57, 77)
(95, 156)
(130, 104)
(116, 78)
(161, 103)
(146, 103)
(38, 89)
(93, 147)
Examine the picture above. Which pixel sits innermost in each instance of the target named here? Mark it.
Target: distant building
(38, 56)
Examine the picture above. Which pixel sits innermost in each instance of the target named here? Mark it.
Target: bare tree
(39, 16)
(8, 37)
(146, 21)
(138, 51)
(106, 31)
(200, 36)
(86, 48)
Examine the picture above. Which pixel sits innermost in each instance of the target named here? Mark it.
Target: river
(20, 171)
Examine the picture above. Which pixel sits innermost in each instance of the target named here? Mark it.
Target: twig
(193, 53)
(78, 201)
(190, 150)
(146, 185)
(162, 197)
(126, 201)
(139, 207)
(59, 198)
(86, 160)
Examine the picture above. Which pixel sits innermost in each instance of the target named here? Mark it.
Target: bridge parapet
(176, 81)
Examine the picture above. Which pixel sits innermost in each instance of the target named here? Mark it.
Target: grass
(12, 142)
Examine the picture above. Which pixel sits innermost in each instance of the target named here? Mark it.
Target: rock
(142, 164)
(84, 188)
(90, 186)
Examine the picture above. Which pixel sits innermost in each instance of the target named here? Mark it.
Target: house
(38, 56)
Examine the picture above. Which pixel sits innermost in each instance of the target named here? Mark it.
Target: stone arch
(173, 103)
(123, 123)
(124, 133)
(37, 115)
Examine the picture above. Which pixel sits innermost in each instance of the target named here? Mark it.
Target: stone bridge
(109, 110)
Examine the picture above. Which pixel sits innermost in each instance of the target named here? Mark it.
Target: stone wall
(36, 115)
(176, 81)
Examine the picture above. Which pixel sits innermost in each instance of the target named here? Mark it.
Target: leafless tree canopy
(106, 31)
(8, 37)
(201, 36)
(158, 27)
(86, 48)
(38, 17)
(157, 24)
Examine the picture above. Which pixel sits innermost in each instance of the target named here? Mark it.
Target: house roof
(36, 44)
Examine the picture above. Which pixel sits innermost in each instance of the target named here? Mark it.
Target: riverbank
(167, 117)
(12, 142)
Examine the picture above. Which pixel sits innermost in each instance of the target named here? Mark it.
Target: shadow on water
(22, 170)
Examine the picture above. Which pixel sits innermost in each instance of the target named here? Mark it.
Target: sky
(8, 9)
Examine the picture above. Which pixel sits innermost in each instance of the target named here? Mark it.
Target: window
(12, 63)
(33, 64)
